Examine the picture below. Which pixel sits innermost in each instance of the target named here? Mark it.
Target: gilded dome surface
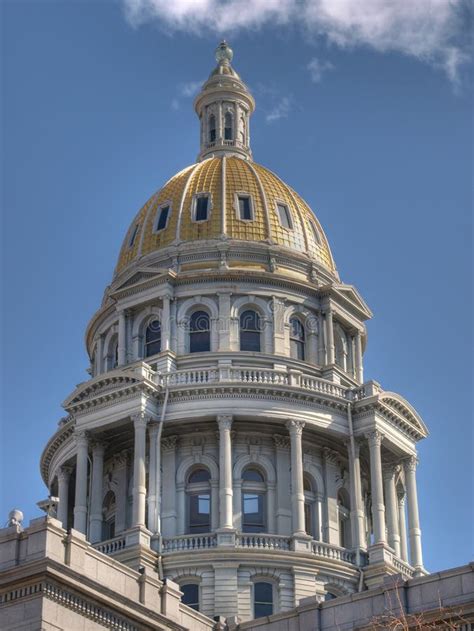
(224, 179)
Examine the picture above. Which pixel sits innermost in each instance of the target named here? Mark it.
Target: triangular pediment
(350, 294)
(142, 275)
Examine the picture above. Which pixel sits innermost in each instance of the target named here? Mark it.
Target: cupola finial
(224, 107)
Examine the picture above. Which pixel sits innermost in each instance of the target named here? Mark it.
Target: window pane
(133, 236)
(307, 519)
(251, 504)
(263, 600)
(252, 509)
(244, 207)
(153, 338)
(163, 218)
(250, 326)
(252, 475)
(250, 341)
(284, 214)
(201, 208)
(228, 127)
(315, 232)
(200, 336)
(190, 595)
(200, 475)
(199, 512)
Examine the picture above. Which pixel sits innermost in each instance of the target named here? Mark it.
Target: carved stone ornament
(224, 421)
(64, 473)
(411, 463)
(281, 442)
(375, 438)
(140, 419)
(295, 427)
(330, 455)
(169, 443)
(81, 437)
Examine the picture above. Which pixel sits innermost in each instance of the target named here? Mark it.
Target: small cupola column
(224, 107)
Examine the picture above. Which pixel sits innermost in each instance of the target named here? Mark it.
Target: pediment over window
(398, 405)
(349, 294)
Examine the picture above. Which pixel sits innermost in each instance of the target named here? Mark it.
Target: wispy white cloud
(317, 68)
(432, 31)
(185, 91)
(280, 110)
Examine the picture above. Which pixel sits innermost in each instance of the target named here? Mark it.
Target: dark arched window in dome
(297, 339)
(198, 491)
(250, 331)
(153, 338)
(252, 475)
(212, 128)
(228, 126)
(199, 332)
(254, 491)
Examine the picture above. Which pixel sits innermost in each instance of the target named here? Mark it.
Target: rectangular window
(199, 512)
(245, 208)
(201, 211)
(253, 517)
(133, 236)
(162, 219)
(285, 216)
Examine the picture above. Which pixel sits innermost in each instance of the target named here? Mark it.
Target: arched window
(250, 331)
(153, 338)
(111, 359)
(228, 126)
(199, 332)
(253, 501)
(344, 519)
(315, 233)
(262, 599)
(297, 339)
(108, 510)
(309, 506)
(212, 128)
(190, 595)
(198, 490)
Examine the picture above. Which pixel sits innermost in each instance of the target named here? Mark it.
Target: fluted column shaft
(64, 475)
(357, 512)
(295, 429)
(378, 508)
(225, 471)
(330, 350)
(80, 506)
(139, 475)
(414, 531)
(95, 519)
(166, 323)
(392, 508)
(402, 525)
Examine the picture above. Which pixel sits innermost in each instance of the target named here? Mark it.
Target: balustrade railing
(402, 567)
(329, 551)
(111, 545)
(263, 542)
(189, 542)
(266, 376)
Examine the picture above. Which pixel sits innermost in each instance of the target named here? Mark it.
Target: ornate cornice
(281, 442)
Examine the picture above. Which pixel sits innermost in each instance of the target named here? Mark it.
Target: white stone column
(312, 347)
(64, 475)
(99, 352)
(319, 517)
(321, 341)
(330, 350)
(357, 510)
(378, 508)
(139, 474)
(295, 429)
(121, 461)
(277, 328)
(224, 422)
(219, 124)
(95, 518)
(166, 323)
(173, 326)
(152, 490)
(359, 368)
(181, 508)
(414, 532)
(80, 506)
(389, 478)
(224, 321)
(122, 342)
(402, 525)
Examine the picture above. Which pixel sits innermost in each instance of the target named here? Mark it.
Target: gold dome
(224, 178)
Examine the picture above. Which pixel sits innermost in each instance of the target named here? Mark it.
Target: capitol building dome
(226, 441)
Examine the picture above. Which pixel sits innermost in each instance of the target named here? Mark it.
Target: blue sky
(369, 120)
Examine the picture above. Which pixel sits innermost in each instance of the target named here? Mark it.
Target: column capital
(375, 438)
(330, 455)
(141, 419)
(295, 427)
(98, 447)
(410, 463)
(81, 437)
(64, 473)
(390, 471)
(224, 421)
(281, 442)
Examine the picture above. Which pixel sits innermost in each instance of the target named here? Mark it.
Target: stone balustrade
(328, 551)
(111, 545)
(263, 541)
(182, 543)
